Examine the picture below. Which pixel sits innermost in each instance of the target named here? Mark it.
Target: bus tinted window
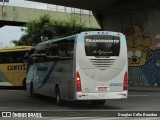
(97, 45)
(12, 57)
(42, 49)
(61, 49)
(66, 49)
(53, 50)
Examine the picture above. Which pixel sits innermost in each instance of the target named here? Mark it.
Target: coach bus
(12, 69)
(89, 66)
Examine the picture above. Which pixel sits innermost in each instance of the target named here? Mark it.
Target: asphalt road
(18, 100)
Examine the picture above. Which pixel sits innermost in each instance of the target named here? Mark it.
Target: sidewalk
(144, 89)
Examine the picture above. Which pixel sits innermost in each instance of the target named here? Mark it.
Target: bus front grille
(102, 63)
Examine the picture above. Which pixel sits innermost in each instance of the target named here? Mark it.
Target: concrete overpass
(18, 16)
(103, 8)
(139, 20)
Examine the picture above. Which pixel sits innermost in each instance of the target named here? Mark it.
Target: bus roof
(16, 48)
(84, 32)
(55, 40)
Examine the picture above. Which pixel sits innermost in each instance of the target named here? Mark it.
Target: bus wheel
(32, 93)
(98, 102)
(58, 97)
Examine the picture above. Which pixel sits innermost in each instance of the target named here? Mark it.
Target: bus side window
(66, 49)
(7, 57)
(41, 51)
(2, 59)
(20, 56)
(61, 49)
(70, 49)
(52, 52)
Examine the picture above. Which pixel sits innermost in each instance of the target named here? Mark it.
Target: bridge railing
(68, 9)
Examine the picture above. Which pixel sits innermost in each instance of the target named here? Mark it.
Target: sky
(9, 33)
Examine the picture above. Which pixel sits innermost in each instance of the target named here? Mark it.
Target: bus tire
(32, 93)
(58, 97)
(98, 102)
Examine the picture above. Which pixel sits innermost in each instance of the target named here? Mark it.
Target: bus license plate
(102, 88)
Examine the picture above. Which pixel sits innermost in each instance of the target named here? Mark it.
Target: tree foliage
(46, 27)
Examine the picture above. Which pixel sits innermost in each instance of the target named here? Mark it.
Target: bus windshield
(102, 45)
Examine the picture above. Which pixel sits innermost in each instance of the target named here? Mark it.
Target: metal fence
(68, 9)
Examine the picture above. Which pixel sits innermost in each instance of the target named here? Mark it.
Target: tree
(47, 28)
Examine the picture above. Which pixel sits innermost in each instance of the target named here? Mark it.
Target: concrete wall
(20, 14)
(142, 30)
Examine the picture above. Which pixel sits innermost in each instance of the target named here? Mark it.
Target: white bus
(89, 66)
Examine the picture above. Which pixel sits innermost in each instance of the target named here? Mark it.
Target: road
(19, 100)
